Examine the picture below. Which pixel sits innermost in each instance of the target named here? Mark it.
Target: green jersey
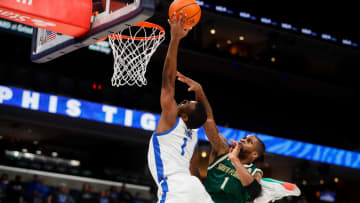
(223, 183)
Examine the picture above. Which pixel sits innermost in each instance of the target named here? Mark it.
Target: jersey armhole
(171, 129)
(217, 160)
(257, 170)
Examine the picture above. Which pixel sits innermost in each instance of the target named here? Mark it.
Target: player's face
(248, 144)
(187, 106)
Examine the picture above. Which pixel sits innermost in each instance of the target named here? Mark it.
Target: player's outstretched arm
(217, 140)
(168, 104)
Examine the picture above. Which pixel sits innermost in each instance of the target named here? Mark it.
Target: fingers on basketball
(172, 19)
(180, 18)
(190, 8)
(184, 18)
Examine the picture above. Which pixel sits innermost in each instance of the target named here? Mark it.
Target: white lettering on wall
(109, 113)
(148, 122)
(5, 94)
(30, 100)
(53, 104)
(73, 106)
(128, 118)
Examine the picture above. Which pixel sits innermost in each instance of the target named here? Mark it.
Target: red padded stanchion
(69, 17)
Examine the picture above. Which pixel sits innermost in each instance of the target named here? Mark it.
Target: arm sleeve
(253, 189)
(257, 170)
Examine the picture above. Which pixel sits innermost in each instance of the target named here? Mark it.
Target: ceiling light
(321, 182)
(228, 41)
(29, 156)
(54, 154)
(273, 59)
(16, 153)
(75, 163)
(212, 31)
(241, 38)
(336, 180)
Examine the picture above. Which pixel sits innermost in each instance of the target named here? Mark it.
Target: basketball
(189, 7)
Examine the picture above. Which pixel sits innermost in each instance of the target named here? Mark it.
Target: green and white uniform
(223, 183)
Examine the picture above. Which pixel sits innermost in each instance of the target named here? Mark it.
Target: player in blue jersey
(174, 140)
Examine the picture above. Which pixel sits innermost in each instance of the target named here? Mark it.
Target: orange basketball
(189, 7)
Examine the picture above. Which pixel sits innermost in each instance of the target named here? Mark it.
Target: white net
(132, 52)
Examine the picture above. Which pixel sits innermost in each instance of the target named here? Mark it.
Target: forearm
(217, 140)
(245, 177)
(170, 66)
(201, 97)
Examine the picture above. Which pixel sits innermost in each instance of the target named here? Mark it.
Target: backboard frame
(101, 28)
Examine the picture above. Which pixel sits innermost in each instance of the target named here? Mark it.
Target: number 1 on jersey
(183, 146)
(224, 183)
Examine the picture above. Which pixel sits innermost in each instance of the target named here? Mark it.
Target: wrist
(199, 89)
(234, 159)
(175, 39)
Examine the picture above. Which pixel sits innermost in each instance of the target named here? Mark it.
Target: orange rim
(142, 24)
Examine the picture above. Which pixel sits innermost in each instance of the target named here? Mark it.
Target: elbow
(209, 119)
(253, 189)
(166, 98)
(167, 94)
(168, 82)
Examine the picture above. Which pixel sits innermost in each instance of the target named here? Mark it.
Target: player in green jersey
(232, 176)
(229, 179)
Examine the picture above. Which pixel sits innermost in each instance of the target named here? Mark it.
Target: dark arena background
(287, 72)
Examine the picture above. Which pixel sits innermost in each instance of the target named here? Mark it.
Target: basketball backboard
(109, 16)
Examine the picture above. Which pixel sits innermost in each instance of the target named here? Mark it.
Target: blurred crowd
(37, 191)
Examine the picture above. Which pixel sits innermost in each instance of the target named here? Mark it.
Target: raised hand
(193, 85)
(234, 150)
(177, 26)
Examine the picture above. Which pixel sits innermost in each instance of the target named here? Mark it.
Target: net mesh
(132, 50)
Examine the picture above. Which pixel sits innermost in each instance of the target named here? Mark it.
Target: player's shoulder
(218, 159)
(168, 130)
(252, 168)
(180, 128)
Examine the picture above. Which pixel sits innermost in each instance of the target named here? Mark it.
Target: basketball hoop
(132, 50)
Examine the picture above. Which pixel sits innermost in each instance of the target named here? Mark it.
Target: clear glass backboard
(109, 16)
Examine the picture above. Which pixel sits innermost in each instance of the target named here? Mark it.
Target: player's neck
(245, 161)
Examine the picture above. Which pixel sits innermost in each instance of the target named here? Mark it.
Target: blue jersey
(169, 158)
(170, 152)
